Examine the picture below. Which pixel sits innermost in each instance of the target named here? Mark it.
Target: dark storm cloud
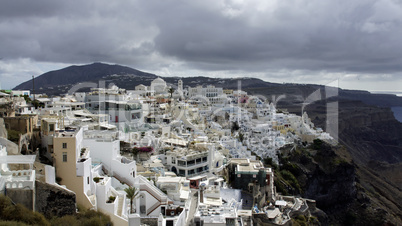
(357, 36)
(72, 32)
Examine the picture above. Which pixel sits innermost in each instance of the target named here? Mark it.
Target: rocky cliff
(370, 133)
(345, 191)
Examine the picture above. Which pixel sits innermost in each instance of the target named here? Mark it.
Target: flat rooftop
(179, 142)
(18, 159)
(185, 153)
(66, 133)
(248, 168)
(100, 134)
(170, 179)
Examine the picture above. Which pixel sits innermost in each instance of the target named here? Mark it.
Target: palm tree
(131, 194)
(171, 91)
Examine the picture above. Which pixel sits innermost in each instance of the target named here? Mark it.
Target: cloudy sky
(355, 42)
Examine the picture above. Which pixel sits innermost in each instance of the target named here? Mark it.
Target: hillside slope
(59, 81)
(348, 193)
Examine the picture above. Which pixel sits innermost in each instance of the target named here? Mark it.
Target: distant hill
(59, 81)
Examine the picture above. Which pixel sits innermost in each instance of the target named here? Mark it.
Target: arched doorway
(174, 170)
(24, 149)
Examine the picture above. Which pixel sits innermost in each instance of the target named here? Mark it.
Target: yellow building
(73, 165)
(228, 91)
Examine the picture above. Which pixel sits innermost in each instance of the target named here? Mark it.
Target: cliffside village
(191, 154)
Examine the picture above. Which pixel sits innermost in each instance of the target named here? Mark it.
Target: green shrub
(92, 217)
(268, 161)
(317, 144)
(280, 187)
(291, 179)
(301, 218)
(111, 199)
(68, 220)
(12, 223)
(18, 215)
(96, 179)
(13, 135)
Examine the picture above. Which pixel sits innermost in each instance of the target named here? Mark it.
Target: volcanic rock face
(54, 201)
(323, 174)
(370, 133)
(333, 188)
(373, 139)
(347, 192)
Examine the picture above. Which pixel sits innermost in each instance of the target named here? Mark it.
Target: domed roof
(159, 80)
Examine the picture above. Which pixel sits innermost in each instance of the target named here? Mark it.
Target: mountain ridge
(58, 82)
(80, 73)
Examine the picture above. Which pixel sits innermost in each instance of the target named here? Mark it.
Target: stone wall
(22, 196)
(23, 124)
(52, 200)
(150, 221)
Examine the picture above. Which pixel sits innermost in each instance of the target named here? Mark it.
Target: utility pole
(33, 87)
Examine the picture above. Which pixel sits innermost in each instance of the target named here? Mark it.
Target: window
(87, 180)
(181, 163)
(64, 156)
(173, 160)
(64, 145)
(51, 127)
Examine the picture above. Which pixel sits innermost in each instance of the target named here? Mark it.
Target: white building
(177, 188)
(212, 94)
(141, 87)
(188, 162)
(158, 85)
(122, 111)
(105, 149)
(20, 92)
(14, 180)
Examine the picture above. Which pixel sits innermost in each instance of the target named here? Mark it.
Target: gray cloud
(260, 37)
